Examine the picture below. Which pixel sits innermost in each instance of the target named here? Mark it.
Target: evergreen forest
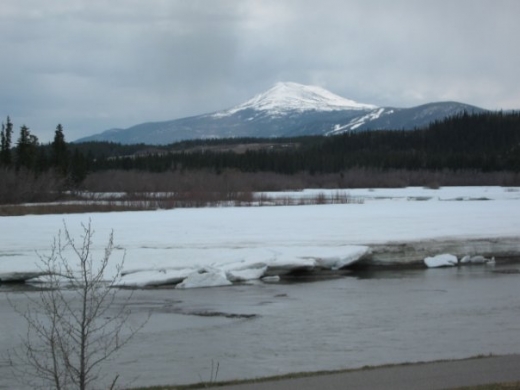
(482, 142)
(477, 144)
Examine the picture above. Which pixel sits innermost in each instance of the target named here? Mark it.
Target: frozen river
(263, 329)
(346, 322)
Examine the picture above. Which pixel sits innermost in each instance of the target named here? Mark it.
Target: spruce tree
(60, 158)
(2, 145)
(5, 150)
(26, 149)
(79, 167)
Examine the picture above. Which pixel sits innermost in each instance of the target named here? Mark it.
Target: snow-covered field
(217, 246)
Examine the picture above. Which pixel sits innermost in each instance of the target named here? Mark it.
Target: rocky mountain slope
(286, 110)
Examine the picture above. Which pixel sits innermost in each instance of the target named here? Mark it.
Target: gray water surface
(269, 329)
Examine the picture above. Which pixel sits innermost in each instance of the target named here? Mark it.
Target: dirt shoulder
(421, 376)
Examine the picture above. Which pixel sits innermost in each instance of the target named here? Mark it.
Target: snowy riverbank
(389, 226)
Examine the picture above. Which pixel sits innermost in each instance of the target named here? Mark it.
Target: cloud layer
(93, 65)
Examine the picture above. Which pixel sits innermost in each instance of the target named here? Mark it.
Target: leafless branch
(77, 321)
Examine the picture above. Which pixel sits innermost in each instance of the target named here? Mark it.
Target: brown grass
(23, 193)
(56, 208)
(156, 201)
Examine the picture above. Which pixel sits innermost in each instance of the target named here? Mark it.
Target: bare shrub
(77, 208)
(433, 186)
(191, 181)
(72, 331)
(320, 198)
(138, 190)
(338, 197)
(24, 186)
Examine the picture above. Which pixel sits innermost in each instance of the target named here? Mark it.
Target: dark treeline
(483, 142)
(27, 155)
(479, 144)
(31, 171)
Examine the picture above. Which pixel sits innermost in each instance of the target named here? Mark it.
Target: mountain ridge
(287, 109)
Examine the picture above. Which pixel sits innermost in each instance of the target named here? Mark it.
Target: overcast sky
(92, 65)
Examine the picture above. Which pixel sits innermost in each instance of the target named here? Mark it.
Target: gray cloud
(93, 65)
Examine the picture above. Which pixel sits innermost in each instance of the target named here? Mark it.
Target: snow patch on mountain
(286, 97)
(359, 121)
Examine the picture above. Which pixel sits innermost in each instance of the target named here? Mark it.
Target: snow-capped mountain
(285, 98)
(285, 110)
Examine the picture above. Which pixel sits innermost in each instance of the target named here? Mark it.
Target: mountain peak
(288, 96)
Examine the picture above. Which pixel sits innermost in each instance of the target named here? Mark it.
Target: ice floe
(153, 277)
(443, 260)
(478, 259)
(243, 275)
(252, 265)
(448, 260)
(353, 255)
(205, 278)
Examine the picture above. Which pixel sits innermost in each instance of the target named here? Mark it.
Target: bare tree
(74, 324)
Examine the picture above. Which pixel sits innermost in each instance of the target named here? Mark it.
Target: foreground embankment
(413, 253)
(421, 376)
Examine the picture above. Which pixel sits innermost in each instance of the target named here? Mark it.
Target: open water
(370, 318)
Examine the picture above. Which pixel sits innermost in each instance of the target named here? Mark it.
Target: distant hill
(286, 110)
(485, 142)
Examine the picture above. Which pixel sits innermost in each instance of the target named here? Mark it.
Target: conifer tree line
(485, 142)
(27, 154)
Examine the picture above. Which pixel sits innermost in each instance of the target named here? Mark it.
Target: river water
(367, 318)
